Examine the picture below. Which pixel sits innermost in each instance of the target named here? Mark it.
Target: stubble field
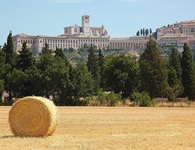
(110, 128)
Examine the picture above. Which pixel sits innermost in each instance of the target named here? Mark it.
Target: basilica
(73, 37)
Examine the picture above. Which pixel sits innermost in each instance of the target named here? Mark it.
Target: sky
(121, 18)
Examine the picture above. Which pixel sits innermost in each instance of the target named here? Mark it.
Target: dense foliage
(153, 71)
(175, 87)
(142, 99)
(188, 73)
(103, 80)
(121, 74)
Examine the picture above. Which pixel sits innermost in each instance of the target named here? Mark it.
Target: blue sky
(122, 18)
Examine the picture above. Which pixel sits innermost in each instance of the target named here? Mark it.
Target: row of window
(73, 41)
(28, 41)
(174, 38)
(127, 44)
(54, 46)
(58, 41)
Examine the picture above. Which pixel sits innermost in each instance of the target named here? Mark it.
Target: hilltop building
(177, 34)
(74, 37)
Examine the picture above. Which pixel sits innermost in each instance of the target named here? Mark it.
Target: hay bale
(33, 116)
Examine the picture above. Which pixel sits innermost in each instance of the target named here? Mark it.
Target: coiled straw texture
(33, 116)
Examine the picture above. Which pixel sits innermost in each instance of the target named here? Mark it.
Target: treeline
(144, 32)
(100, 81)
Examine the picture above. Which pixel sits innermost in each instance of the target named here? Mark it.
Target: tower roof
(85, 16)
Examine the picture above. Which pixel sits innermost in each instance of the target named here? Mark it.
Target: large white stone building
(74, 37)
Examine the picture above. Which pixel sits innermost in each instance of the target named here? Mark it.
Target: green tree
(16, 83)
(32, 82)
(141, 32)
(54, 70)
(13, 81)
(54, 74)
(2, 63)
(193, 56)
(121, 74)
(144, 32)
(138, 34)
(68, 93)
(83, 82)
(142, 99)
(153, 71)
(175, 62)
(44, 64)
(188, 73)
(93, 67)
(46, 50)
(175, 88)
(147, 32)
(9, 50)
(25, 58)
(2, 58)
(4, 71)
(59, 53)
(150, 31)
(101, 62)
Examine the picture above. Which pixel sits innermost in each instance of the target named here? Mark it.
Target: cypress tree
(172, 77)
(141, 32)
(25, 59)
(101, 62)
(175, 62)
(175, 75)
(144, 32)
(147, 32)
(150, 31)
(153, 71)
(137, 34)
(9, 50)
(193, 56)
(4, 47)
(93, 67)
(188, 73)
(175, 86)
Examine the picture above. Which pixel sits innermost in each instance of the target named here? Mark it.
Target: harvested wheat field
(110, 128)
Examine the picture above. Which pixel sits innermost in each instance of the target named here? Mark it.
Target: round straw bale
(33, 116)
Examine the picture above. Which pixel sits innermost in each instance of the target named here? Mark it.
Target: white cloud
(67, 1)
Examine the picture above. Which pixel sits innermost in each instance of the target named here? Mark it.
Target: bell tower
(86, 25)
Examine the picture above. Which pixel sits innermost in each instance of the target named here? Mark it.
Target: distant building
(178, 34)
(73, 37)
(129, 43)
(77, 36)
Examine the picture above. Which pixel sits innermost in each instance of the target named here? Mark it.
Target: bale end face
(33, 116)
